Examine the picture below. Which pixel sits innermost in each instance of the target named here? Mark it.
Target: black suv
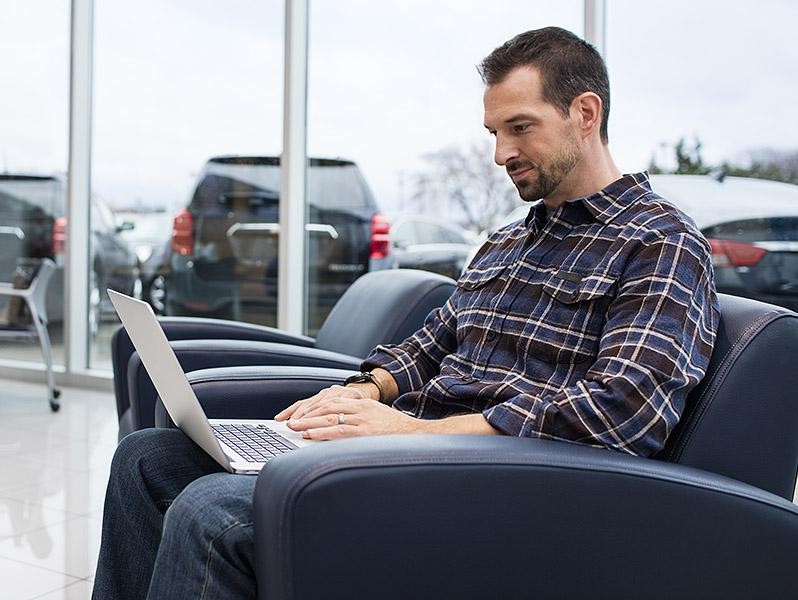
(33, 226)
(223, 260)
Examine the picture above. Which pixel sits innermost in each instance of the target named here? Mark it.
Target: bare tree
(464, 185)
(767, 163)
(760, 163)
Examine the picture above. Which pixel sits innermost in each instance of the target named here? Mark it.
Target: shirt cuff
(511, 422)
(382, 358)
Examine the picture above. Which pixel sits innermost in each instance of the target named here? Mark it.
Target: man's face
(534, 142)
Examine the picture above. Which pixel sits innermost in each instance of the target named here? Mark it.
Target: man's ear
(587, 108)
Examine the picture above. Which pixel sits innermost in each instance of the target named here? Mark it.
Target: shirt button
(491, 336)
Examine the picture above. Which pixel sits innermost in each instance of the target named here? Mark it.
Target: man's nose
(505, 151)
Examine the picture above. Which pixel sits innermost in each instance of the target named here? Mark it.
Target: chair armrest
(195, 355)
(191, 328)
(7, 289)
(253, 392)
(499, 517)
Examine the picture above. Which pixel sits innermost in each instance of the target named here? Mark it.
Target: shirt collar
(608, 203)
(604, 205)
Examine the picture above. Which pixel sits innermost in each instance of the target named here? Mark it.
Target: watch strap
(365, 377)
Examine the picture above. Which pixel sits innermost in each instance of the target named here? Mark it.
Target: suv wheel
(156, 294)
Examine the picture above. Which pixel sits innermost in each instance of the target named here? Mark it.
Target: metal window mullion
(596, 25)
(291, 277)
(79, 187)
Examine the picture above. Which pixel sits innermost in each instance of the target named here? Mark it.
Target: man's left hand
(350, 417)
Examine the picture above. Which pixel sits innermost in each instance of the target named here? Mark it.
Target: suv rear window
(43, 193)
(229, 183)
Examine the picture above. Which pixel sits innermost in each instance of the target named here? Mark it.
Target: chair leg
(44, 342)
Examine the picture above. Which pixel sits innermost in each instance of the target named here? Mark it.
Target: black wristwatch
(365, 377)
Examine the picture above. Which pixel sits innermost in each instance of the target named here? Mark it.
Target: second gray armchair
(380, 307)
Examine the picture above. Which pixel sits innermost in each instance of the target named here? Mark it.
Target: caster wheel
(56, 394)
(54, 406)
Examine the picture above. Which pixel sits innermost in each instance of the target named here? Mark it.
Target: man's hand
(346, 411)
(335, 392)
(347, 416)
(341, 412)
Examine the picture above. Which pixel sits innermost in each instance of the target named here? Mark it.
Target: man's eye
(520, 128)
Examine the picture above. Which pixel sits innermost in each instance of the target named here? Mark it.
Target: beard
(550, 175)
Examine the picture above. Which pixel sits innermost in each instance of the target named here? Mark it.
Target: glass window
(173, 118)
(429, 233)
(403, 233)
(388, 86)
(34, 43)
(770, 229)
(716, 89)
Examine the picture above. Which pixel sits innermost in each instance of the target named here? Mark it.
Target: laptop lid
(166, 373)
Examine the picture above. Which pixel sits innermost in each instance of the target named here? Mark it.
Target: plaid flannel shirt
(588, 325)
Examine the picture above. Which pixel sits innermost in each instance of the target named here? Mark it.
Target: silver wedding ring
(341, 418)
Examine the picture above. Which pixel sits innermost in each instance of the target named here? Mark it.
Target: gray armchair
(380, 307)
(499, 517)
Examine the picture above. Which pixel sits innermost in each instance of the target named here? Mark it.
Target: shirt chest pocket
(479, 291)
(570, 317)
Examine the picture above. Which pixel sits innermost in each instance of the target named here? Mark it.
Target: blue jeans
(175, 524)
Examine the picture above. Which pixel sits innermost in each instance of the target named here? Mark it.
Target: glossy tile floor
(53, 472)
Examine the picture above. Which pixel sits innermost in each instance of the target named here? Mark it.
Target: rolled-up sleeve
(417, 360)
(655, 347)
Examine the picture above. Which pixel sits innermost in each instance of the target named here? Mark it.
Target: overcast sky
(177, 81)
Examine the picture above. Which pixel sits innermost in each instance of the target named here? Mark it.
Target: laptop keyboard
(255, 443)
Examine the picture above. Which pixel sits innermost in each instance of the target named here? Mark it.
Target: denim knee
(208, 533)
(142, 442)
(212, 504)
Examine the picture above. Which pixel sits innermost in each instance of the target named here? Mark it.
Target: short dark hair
(568, 66)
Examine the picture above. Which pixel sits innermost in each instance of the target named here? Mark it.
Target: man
(588, 322)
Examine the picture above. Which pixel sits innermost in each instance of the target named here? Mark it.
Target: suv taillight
(59, 236)
(183, 233)
(380, 245)
(728, 253)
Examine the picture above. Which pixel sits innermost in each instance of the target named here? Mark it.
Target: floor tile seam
(12, 493)
(69, 517)
(27, 564)
(73, 513)
(56, 571)
(32, 563)
(60, 588)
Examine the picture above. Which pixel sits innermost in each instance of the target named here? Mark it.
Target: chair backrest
(32, 276)
(39, 285)
(742, 419)
(382, 307)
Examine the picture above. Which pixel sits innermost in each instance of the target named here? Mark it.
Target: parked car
(154, 273)
(751, 225)
(223, 253)
(420, 242)
(518, 213)
(33, 225)
(151, 241)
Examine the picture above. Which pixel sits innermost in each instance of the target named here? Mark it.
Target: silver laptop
(240, 446)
